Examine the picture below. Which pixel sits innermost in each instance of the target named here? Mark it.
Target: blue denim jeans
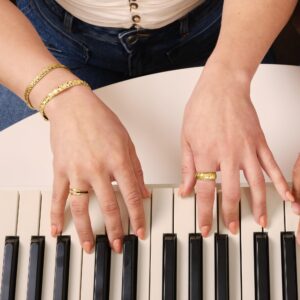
(105, 55)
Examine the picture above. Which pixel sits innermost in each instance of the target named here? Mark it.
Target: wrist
(236, 69)
(48, 84)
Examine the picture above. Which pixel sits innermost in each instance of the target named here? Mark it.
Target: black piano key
(9, 272)
(35, 269)
(195, 267)
(289, 266)
(169, 266)
(129, 275)
(102, 268)
(221, 267)
(261, 266)
(62, 261)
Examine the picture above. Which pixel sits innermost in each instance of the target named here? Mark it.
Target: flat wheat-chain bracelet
(37, 79)
(62, 87)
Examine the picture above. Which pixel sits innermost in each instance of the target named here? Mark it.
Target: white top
(148, 14)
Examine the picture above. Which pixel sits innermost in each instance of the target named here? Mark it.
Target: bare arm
(248, 30)
(23, 55)
(90, 145)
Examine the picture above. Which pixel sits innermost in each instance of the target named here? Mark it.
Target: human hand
(91, 149)
(221, 132)
(296, 192)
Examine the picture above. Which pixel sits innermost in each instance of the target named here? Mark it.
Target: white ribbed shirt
(148, 14)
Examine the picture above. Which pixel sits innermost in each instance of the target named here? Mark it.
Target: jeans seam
(83, 46)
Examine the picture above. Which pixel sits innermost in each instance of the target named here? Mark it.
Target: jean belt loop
(184, 25)
(68, 21)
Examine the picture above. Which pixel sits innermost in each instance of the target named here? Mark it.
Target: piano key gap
(195, 214)
(40, 212)
(173, 211)
(17, 218)
(284, 217)
(218, 199)
(150, 251)
(240, 244)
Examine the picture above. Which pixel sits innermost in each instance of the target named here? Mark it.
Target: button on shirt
(148, 14)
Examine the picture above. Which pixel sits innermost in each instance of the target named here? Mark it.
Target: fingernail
(233, 227)
(263, 221)
(296, 208)
(87, 246)
(117, 245)
(205, 231)
(289, 196)
(53, 230)
(140, 233)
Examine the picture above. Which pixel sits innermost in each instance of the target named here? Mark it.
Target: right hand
(91, 149)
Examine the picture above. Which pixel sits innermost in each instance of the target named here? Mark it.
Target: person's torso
(148, 14)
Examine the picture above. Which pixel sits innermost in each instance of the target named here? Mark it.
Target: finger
(270, 166)
(79, 205)
(205, 194)
(138, 171)
(255, 178)
(110, 210)
(132, 197)
(296, 187)
(230, 196)
(59, 197)
(187, 170)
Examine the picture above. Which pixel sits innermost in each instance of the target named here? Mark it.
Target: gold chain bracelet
(62, 87)
(37, 79)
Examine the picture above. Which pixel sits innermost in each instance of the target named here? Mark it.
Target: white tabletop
(151, 108)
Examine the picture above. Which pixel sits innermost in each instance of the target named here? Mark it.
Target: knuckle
(185, 169)
(78, 208)
(139, 172)
(133, 198)
(109, 208)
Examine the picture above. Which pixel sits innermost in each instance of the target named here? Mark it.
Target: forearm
(23, 55)
(248, 30)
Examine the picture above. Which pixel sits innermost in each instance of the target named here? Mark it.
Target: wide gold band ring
(206, 176)
(77, 192)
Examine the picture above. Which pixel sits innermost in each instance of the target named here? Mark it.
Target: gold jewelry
(62, 87)
(77, 192)
(206, 176)
(37, 79)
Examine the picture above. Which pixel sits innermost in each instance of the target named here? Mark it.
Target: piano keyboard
(173, 262)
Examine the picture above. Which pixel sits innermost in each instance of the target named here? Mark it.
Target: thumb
(187, 170)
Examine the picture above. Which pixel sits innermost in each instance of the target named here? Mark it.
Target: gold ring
(77, 192)
(206, 176)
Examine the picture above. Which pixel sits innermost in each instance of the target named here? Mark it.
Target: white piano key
(115, 290)
(292, 221)
(75, 255)
(234, 256)
(248, 227)
(275, 226)
(28, 225)
(162, 218)
(143, 275)
(88, 260)
(208, 256)
(9, 200)
(184, 224)
(50, 247)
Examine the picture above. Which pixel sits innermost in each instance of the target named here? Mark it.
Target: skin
(229, 137)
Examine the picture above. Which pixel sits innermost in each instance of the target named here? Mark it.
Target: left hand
(221, 132)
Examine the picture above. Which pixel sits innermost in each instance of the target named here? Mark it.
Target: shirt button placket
(136, 19)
